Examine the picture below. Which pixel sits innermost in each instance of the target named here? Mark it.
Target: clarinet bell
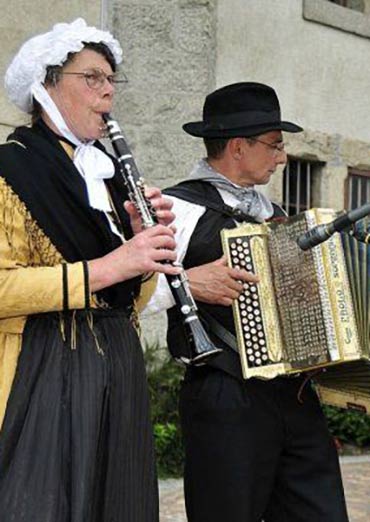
(203, 348)
(203, 358)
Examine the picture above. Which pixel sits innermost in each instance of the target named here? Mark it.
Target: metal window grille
(298, 181)
(358, 188)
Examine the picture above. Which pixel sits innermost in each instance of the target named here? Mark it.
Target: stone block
(133, 107)
(165, 46)
(194, 30)
(169, 49)
(165, 157)
(146, 25)
(356, 154)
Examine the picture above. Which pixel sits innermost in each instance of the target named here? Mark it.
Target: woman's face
(80, 105)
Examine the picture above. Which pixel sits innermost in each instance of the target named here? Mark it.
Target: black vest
(205, 247)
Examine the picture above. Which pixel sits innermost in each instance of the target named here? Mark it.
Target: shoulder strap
(278, 211)
(220, 331)
(204, 194)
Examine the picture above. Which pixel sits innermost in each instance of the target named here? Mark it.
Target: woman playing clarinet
(75, 436)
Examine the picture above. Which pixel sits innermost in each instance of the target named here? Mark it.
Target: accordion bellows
(310, 310)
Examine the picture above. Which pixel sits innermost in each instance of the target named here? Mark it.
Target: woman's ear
(54, 78)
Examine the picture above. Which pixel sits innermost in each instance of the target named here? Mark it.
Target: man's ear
(236, 147)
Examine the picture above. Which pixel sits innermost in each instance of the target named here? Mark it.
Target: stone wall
(336, 154)
(169, 58)
(319, 71)
(314, 53)
(178, 50)
(22, 19)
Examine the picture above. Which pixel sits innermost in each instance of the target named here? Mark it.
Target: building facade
(22, 19)
(315, 53)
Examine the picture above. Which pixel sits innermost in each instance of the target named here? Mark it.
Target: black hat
(241, 109)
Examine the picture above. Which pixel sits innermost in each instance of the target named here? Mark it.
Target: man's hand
(160, 204)
(216, 283)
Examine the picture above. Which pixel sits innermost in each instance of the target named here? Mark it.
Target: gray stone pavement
(356, 477)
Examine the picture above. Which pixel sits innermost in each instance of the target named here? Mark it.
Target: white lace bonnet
(52, 48)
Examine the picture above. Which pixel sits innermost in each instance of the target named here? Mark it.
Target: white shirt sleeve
(187, 216)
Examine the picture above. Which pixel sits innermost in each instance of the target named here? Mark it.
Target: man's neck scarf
(251, 202)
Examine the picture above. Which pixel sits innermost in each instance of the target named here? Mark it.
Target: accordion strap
(228, 360)
(204, 194)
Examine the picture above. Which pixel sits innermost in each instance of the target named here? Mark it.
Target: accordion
(310, 310)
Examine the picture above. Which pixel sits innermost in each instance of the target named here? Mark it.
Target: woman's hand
(146, 252)
(160, 204)
(216, 283)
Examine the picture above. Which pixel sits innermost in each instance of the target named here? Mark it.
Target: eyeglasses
(278, 147)
(95, 78)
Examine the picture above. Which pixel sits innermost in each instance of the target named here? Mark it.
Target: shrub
(164, 377)
(348, 426)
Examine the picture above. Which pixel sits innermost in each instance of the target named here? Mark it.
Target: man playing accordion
(255, 450)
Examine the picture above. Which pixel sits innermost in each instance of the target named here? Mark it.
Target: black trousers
(254, 452)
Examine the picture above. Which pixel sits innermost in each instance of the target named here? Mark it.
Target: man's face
(260, 158)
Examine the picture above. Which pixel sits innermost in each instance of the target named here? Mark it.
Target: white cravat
(92, 163)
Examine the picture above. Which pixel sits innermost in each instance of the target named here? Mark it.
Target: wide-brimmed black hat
(241, 109)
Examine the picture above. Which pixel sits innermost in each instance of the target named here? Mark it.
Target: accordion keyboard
(293, 290)
(249, 307)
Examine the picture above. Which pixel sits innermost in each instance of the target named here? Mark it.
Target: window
(299, 185)
(357, 5)
(358, 188)
(339, 2)
(348, 15)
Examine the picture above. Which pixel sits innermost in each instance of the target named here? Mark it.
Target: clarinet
(202, 347)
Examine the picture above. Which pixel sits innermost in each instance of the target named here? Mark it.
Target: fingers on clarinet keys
(171, 269)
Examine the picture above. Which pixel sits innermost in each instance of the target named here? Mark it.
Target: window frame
(314, 168)
(337, 16)
(353, 172)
